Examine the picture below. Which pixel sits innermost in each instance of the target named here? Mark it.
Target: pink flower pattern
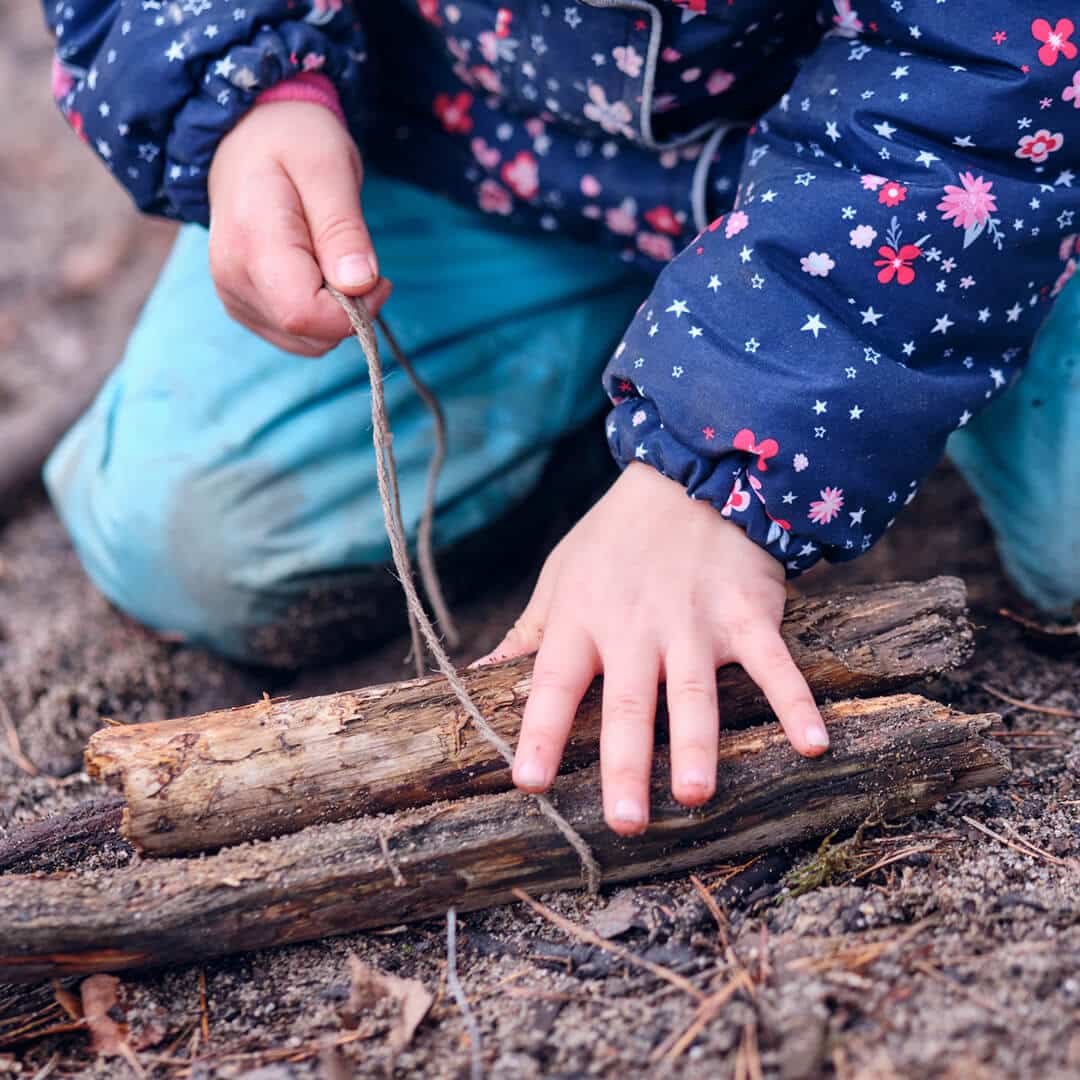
(970, 204)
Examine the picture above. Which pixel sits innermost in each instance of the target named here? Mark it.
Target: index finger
(565, 666)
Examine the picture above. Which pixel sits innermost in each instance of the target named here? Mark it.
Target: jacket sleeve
(154, 85)
(906, 216)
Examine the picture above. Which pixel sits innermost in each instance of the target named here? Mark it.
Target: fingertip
(813, 736)
(378, 296)
(356, 273)
(530, 775)
(627, 817)
(693, 788)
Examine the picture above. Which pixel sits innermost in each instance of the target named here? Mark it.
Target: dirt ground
(976, 969)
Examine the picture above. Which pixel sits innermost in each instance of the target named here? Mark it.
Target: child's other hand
(284, 214)
(649, 586)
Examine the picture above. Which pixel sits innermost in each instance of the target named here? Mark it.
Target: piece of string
(385, 472)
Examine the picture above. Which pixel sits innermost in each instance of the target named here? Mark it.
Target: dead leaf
(100, 1006)
(99, 995)
(409, 1000)
(618, 917)
(68, 1002)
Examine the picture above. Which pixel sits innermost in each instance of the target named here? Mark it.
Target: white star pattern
(814, 324)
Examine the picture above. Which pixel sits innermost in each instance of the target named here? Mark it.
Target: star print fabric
(905, 217)
(869, 205)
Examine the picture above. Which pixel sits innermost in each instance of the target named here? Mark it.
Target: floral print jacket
(861, 210)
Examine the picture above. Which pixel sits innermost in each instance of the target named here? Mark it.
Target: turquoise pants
(217, 483)
(1022, 457)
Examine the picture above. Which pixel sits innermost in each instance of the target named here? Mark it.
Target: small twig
(592, 938)
(1030, 850)
(722, 926)
(672, 1048)
(855, 957)
(311, 1049)
(896, 856)
(395, 870)
(458, 994)
(1030, 706)
(748, 1058)
(204, 1012)
(14, 752)
(1025, 734)
(1039, 628)
(1034, 847)
(714, 909)
(1039, 748)
(934, 973)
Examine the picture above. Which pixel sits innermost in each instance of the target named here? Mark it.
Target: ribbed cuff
(305, 86)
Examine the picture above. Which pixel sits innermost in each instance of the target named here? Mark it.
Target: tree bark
(890, 757)
(275, 767)
(62, 838)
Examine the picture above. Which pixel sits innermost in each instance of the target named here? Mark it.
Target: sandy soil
(986, 986)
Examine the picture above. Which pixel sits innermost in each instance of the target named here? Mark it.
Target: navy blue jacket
(864, 210)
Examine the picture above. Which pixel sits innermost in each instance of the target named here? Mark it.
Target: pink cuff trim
(305, 86)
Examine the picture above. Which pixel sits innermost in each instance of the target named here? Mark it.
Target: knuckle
(625, 777)
(549, 680)
(295, 319)
(625, 707)
(691, 692)
(334, 227)
(695, 750)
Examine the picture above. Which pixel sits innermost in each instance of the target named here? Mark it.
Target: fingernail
(629, 812)
(356, 270)
(531, 774)
(695, 778)
(816, 735)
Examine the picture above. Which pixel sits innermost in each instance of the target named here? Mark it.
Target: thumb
(343, 248)
(525, 635)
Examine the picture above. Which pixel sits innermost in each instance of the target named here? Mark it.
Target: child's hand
(284, 214)
(648, 586)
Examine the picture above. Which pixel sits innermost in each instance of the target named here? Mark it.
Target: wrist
(659, 496)
(307, 86)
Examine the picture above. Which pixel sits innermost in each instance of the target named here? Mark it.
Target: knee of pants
(1020, 456)
(189, 552)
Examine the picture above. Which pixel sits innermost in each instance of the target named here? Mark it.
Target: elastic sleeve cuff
(636, 433)
(305, 86)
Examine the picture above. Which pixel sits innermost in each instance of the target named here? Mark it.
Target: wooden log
(277, 766)
(63, 838)
(890, 757)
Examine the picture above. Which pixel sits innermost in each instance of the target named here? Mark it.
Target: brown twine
(386, 473)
